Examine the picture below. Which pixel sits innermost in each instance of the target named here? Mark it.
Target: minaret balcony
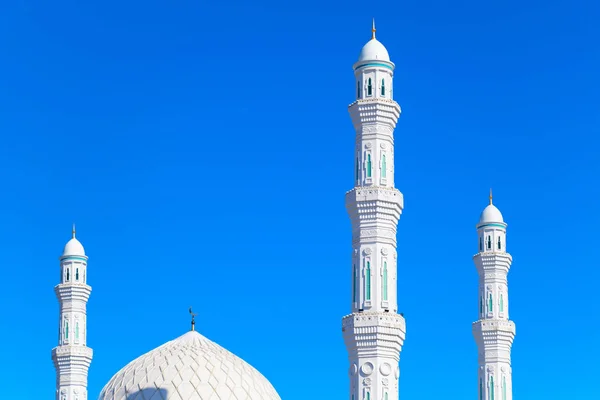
(374, 111)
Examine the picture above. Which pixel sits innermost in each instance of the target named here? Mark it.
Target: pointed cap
(374, 50)
(73, 246)
(491, 214)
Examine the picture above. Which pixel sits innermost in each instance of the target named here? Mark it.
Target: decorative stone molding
(367, 368)
(385, 369)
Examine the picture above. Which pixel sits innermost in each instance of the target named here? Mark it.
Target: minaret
(374, 332)
(493, 332)
(72, 357)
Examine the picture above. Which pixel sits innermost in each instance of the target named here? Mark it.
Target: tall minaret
(72, 357)
(494, 332)
(374, 332)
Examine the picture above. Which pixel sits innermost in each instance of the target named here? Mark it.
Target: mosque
(192, 367)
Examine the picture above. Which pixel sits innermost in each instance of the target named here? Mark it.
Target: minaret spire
(373, 30)
(72, 357)
(491, 196)
(374, 331)
(193, 319)
(494, 332)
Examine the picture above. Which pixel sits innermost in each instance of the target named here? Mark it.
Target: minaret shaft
(72, 357)
(493, 332)
(374, 332)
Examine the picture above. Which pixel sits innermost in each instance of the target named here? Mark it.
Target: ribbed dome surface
(190, 367)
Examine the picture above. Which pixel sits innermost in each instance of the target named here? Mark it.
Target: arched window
(385, 281)
(383, 166)
(480, 243)
(499, 243)
(368, 281)
(66, 329)
(491, 388)
(354, 283)
(76, 274)
(76, 330)
(489, 243)
(368, 165)
(504, 387)
(68, 275)
(501, 302)
(369, 88)
(383, 87)
(386, 396)
(490, 303)
(368, 396)
(480, 389)
(358, 89)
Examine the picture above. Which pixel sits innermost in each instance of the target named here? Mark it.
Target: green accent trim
(503, 226)
(78, 258)
(368, 281)
(491, 388)
(369, 165)
(354, 283)
(374, 65)
(501, 302)
(491, 304)
(385, 281)
(383, 166)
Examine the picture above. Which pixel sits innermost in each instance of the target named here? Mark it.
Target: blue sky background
(204, 149)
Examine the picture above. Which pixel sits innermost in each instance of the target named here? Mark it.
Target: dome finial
(193, 320)
(373, 30)
(73, 231)
(490, 195)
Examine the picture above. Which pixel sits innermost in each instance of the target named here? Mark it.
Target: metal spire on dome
(490, 196)
(373, 30)
(73, 231)
(193, 320)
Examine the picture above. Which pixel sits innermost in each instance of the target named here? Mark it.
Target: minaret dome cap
(73, 247)
(491, 214)
(374, 50)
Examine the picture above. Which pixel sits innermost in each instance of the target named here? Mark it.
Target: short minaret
(493, 332)
(72, 357)
(374, 332)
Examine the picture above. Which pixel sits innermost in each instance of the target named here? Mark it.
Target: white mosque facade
(191, 367)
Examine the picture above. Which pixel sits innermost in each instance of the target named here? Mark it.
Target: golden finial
(490, 195)
(373, 30)
(193, 320)
(73, 231)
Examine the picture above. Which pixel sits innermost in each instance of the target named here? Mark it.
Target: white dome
(190, 367)
(73, 248)
(374, 50)
(491, 214)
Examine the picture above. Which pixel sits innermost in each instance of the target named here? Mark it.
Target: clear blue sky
(204, 149)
